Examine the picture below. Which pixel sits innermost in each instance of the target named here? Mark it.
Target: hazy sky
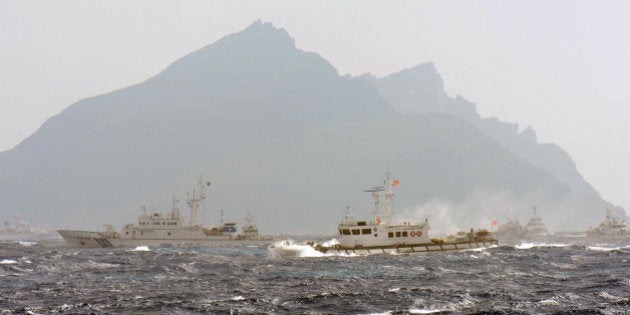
(562, 67)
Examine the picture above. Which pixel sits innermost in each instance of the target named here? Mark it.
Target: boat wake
(289, 248)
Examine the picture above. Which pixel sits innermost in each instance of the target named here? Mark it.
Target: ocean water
(528, 278)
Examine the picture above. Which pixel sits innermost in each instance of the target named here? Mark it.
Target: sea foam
(141, 249)
(533, 245)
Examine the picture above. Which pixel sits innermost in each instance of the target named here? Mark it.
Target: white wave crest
(27, 244)
(288, 248)
(332, 242)
(532, 245)
(8, 262)
(141, 249)
(429, 311)
(607, 249)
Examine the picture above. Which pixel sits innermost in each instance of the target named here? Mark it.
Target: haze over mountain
(279, 132)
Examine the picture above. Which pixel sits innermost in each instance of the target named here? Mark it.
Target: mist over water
(528, 278)
(485, 205)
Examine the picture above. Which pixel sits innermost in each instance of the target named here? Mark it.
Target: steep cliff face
(277, 131)
(421, 90)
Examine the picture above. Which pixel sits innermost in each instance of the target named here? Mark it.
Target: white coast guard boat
(377, 237)
(535, 226)
(611, 226)
(159, 228)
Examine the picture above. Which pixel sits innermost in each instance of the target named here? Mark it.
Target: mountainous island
(278, 132)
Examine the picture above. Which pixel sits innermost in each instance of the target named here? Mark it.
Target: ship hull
(407, 248)
(96, 239)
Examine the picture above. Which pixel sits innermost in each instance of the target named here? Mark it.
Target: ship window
(390, 234)
(361, 223)
(375, 235)
(398, 234)
(356, 232)
(127, 233)
(141, 233)
(169, 233)
(366, 231)
(404, 233)
(345, 232)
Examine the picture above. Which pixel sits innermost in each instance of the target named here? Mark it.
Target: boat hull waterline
(407, 248)
(95, 239)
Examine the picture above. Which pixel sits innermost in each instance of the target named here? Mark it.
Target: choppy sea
(527, 278)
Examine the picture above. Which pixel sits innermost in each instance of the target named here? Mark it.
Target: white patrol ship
(158, 228)
(535, 226)
(611, 226)
(377, 237)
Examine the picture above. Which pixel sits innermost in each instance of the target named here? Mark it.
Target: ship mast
(195, 200)
(388, 188)
(389, 194)
(248, 219)
(377, 203)
(175, 210)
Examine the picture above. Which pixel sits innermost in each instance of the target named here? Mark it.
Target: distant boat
(160, 229)
(383, 235)
(535, 226)
(249, 230)
(611, 226)
(511, 230)
(20, 230)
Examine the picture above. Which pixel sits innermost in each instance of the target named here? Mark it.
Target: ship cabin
(159, 220)
(229, 227)
(359, 234)
(225, 229)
